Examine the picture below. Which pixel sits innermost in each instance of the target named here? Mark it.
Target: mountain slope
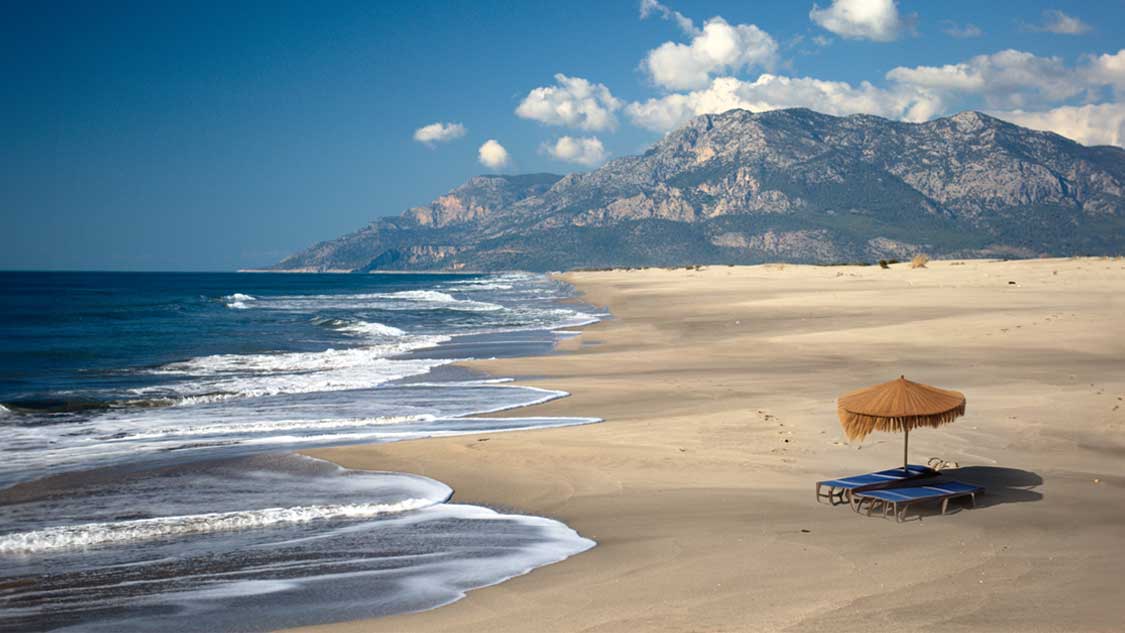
(785, 185)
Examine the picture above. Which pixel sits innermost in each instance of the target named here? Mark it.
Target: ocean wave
(221, 377)
(422, 295)
(372, 328)
(444, 300)
(359, 327)
(295, 362)
(394, 301)
(481, 285)
(238, 301)
(108, 533)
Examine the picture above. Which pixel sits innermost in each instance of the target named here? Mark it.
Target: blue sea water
(148, 419)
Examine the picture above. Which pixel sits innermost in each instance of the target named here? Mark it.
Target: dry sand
(718, 387)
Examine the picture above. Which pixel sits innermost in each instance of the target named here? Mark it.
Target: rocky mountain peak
(790, 185)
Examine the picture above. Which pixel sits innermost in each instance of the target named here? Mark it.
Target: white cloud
(572, 101)
(771, 92)
(1008, 79)
(952, 29)
(649, 7)
(1036, 91)
(584, 151)
(717, 47)
(877, 20)
(493, 155)
(1056, 21)
(439, 132)
(1102, 124)
(1106, 69)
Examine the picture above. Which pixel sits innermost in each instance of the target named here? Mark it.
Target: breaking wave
(371, 328)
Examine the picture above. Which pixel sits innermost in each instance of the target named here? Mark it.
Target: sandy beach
(718, 387)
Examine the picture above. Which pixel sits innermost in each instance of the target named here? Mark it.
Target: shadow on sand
(1001, 485)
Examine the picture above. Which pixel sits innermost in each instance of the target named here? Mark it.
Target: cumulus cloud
(573, 102)
(1106, 69)
(1008, 79)
(1056, 21)
(771, 92)
(718, 47)
(1101, 124)
(952, 29)
(1018, 80)
(1037, 91)
(493, 155)
(877, 20)
(439, 133)
(584, 151)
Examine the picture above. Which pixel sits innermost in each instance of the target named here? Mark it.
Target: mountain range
(785, 185)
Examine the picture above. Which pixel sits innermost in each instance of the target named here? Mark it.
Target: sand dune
(718, 387)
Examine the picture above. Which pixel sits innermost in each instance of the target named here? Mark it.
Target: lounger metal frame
(900, 507)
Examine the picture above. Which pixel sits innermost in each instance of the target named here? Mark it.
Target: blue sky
(197, 136)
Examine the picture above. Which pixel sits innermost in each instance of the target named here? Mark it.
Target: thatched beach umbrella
(898, 405)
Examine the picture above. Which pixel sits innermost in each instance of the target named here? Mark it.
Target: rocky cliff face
(787, 185)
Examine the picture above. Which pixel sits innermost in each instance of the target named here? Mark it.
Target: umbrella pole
(905, 449)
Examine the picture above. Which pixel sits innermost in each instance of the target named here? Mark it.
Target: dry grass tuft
(919, 261)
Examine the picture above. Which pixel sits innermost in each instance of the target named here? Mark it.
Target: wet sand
(718, 389)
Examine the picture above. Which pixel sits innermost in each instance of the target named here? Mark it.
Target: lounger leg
(973, 499)
(944, 504)
(899, 516)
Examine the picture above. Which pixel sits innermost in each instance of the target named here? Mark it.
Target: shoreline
(717, 389)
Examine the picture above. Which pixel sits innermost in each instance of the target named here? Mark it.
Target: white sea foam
(270, 426)
(96, 534)
(353, 372)
(444, 300)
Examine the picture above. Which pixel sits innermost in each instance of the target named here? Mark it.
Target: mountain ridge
(784, 185)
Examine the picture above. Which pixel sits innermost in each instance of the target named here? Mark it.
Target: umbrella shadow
(1001, 485)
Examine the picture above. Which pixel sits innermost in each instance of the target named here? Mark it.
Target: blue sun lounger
(900, 498)
(842, 490)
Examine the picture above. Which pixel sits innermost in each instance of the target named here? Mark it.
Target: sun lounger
(900, 498)
(841, 490)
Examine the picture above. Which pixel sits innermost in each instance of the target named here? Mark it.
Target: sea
(149, 429)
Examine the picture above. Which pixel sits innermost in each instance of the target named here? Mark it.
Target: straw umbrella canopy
(898, 405)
